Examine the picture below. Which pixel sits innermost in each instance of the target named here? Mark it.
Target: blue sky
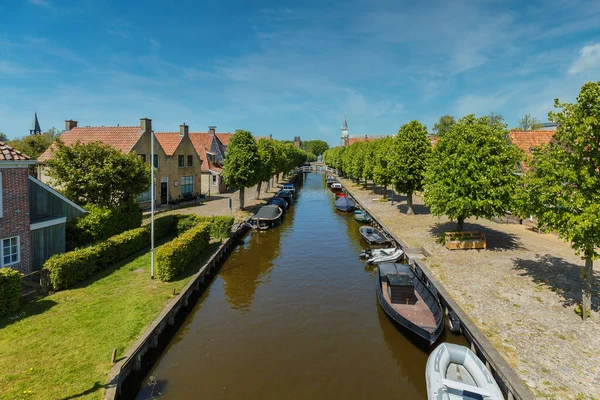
(287, 67)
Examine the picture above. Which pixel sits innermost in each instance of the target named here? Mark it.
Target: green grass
(60, 346)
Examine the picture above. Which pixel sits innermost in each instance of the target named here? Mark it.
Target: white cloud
(41, 3)
(589, 59)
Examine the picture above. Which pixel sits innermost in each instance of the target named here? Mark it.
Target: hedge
(67, 269)
(173, 257)
(102, 223)
(220, 226)
(10, 290)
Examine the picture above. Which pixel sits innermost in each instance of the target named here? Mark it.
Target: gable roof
(225, 138)
(169, 141)
(121, 138)
(8, 153)
(528, 140)
(202, 142)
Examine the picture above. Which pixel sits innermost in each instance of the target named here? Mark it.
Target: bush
(102, 223)
(220, 226)
(67, 269)
(173, 257)
(10, 290)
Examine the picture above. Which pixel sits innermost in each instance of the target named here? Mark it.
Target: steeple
(35, 126)
(345, 124)
(345, 140)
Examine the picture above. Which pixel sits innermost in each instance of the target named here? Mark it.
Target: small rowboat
(409, 302)
(455, 372)
(384, 255)
(373, 236)
(362, 216)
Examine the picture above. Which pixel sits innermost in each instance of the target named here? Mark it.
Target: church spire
(35, 126)
(345, 124)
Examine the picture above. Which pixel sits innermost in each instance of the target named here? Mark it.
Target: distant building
(35, 126)
(349, 141)
(527, 141)
(548, 126)
(297, 142)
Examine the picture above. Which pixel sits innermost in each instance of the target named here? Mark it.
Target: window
(187, 184)
(146, 196)
(10, 251)
(156, 161)
(214, 180)
(211, 157)
(190, 161)
(142, 156)
(181, 161)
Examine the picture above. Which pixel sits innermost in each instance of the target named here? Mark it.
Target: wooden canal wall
(510, 383)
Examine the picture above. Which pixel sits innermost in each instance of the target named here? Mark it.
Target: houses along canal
(292, 314)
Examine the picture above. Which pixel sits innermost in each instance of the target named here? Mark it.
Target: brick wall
(15, 216)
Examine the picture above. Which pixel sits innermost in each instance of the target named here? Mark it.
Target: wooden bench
(465, 240)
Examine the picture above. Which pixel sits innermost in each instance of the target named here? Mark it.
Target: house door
(164, 192)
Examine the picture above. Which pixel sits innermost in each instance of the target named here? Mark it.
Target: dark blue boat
(344, 204)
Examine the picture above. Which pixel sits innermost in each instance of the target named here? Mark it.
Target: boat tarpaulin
(344, 204)
(268, 212)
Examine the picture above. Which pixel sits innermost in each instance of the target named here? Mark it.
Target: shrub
(219, 225)
(173, 257)
(101, 223)
(67, 269)
(10, 290)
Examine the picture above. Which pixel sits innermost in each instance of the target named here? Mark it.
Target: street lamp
(153, 200)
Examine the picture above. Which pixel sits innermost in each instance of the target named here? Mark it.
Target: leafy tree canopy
(268, 159)
(562, 187)
(315, 147)
(529, 123)
(3, 137)
(471, 171)
(35, 145)
(242, 164)
(408, 159)
(381, 173)
(495, 119)
(444, 124)
(95, 173)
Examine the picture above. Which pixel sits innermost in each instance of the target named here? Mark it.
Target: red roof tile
(225, 138)
(10, 154)
(528, 140)
(169, 141)
(120, 137)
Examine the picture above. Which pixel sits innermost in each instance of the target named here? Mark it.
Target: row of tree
(474, 171)
(248, 163)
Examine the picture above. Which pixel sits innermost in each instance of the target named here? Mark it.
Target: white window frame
(181, 183)
(1, 200)
(214, 179)
(2, 251)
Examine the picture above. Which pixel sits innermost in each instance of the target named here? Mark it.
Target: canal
(292, 314)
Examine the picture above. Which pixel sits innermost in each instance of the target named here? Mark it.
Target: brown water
(293, 314)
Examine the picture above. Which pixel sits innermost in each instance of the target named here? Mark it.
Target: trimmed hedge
(102, 223)
(10, 290)
(220, 226)
(173, 257)
(67, 269)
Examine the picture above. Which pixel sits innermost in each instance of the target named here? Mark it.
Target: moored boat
(266, 217)
(409, 302)
(330, 180)
(384, 255)
(373, 236)
(279, 201)
(336, 186)
(289, 187)
(344, 204)
(362, 216)
(286, 195)
(455, 372)
(341, 194)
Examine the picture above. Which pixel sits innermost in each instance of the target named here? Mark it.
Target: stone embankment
(521, 292)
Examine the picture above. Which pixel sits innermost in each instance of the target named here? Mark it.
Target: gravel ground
(521, 292)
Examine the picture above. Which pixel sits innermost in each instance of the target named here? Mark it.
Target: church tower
(35, 126)
(345, 138)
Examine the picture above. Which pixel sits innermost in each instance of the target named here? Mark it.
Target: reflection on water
(293, 314)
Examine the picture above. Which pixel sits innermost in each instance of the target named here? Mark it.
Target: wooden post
(113, 358)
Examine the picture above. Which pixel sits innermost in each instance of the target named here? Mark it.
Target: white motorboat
(336, 186)
(385, 255)
(454, 372)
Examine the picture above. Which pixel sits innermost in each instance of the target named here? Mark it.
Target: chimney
(70, 124)
(183, 130)
(146, 124)
(212, 130)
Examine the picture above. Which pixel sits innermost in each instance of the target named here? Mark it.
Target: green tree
(95, 173)
(242, 163)
(562, 186)
(472, 171)
(381, 172)
(529, 123)
(35, 145)
(369, 149)
(268, 163)
(495, 119)
(3, 137)
(408, 159)
(315, 147)
(443, 125)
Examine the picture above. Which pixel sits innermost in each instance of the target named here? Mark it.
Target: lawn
(59, 347)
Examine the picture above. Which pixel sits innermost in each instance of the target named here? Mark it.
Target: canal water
(292, 314)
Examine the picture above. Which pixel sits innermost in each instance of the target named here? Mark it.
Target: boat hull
(418, 335)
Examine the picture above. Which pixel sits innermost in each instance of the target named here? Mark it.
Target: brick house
(177, 163)
(527, 141)
(32, 215)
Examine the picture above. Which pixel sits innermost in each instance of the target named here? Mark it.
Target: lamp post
(153, 200)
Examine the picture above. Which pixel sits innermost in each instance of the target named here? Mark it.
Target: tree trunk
(268, 188)
(276, 179)
(409, 202)
(385, 191)
(242, 199)
(587, 274)
(258, 190)
(460, 223)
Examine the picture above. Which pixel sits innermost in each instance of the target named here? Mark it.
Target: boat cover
(284, 193)
(343, 203)
(268, 212)
(279, 201)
